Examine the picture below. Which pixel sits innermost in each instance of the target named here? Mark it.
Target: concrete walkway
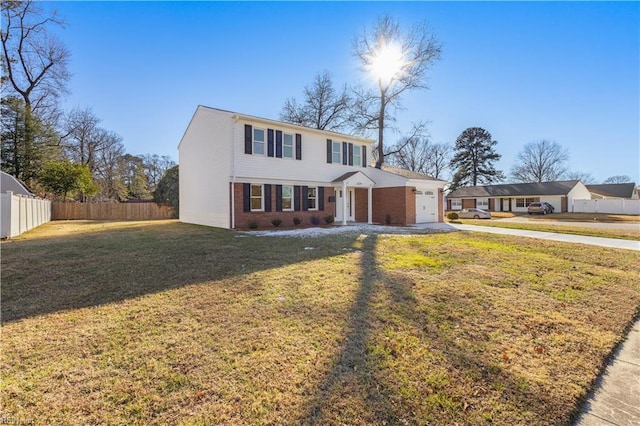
(616, 399)
(568, 238)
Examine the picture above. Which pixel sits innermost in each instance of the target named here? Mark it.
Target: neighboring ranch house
(237, 170)
(516, 197)
(614, 190)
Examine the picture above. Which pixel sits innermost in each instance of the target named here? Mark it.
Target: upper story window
(257, 200)
(258, 141)
(287, 145)
(287, 197)
(336, 152)
(357, 157)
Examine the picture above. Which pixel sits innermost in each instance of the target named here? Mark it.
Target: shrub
(452, 216)
(253, 224)
(387, 219)
(297, 221)
(315, 220)
(328, 219)
(276, 221)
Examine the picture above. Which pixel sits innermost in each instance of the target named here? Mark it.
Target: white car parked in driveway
(474, 214)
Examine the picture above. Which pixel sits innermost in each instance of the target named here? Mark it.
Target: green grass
(625, 234)
(167, 323)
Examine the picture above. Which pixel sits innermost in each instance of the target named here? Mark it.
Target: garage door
(426, 207)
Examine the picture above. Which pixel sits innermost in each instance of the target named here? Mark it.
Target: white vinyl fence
(607, 205)
(20, 213)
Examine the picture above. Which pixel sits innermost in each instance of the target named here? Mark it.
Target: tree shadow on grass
(358, 389)
(66, 272)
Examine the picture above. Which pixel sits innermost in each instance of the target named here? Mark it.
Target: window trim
(264, 141)
(284, 145)
(456, 204)
(334, 152)
(358, 157)
(252, 197)
(290, 209)
(315, 198)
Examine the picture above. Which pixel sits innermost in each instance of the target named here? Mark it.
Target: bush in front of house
(328, 219)
(452, 216)
(315, 220)
(253, 224)
(276, 221)
(297, 221)
(387, 219)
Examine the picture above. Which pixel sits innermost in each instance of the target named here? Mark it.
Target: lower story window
(257, 200)
(313, 198)
(456, 204)
(287, 197)
(482, 203)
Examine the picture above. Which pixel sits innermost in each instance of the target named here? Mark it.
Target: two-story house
(236, 169)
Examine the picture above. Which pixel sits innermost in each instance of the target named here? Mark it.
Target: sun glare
(388, 62)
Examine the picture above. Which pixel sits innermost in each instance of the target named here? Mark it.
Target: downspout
(233, 172)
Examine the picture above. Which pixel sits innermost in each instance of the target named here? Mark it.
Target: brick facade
(263, 219)
(397, 202)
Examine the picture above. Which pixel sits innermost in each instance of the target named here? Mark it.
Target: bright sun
(387, 62)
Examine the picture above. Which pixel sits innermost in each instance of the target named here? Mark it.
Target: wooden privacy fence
(110, 211)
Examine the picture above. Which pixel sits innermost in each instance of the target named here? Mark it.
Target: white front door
(349, 197)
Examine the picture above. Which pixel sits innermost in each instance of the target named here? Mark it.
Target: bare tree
(323, 106)
(83, 139)
(584, 177)
(540, 161)
(155, 167)
(439, 159)
(400, 60)
(110, 172)
(34, 67)
(618, 179)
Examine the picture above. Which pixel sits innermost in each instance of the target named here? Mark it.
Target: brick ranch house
(236, 169)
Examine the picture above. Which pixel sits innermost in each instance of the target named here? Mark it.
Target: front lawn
(168, 323)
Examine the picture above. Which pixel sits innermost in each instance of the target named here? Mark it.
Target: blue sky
(569, 72)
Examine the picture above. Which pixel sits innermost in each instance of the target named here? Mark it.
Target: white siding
(554, 200)
(313, 166)
(578, 192)
(205, 169)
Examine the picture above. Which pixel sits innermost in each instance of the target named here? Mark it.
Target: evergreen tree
(168, 190)
(474, 158)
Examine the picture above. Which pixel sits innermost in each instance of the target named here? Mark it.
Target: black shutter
(279, 143)
(351, 154)
(246, 197)
(321, 198)
(345, 153)
(329, 151)
(305, 198)
(248, 139)
(267, 198)
(298, 146)
(364, 156)
(270, 142)
(278, 198)
(296, 198)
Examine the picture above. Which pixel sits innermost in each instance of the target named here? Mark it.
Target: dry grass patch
(166, 323)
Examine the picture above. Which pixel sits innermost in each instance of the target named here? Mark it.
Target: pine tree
(474, 159)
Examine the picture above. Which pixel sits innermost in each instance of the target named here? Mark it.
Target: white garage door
(426, 206)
